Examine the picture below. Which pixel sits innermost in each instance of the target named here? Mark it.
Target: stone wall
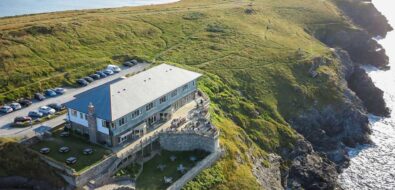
(186, 141)
(96, 171)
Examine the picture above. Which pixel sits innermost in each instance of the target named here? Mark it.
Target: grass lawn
(152, 177)
(76, 144)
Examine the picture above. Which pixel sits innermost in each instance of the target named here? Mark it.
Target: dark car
(45, 150)
(59, 90)
(101, 74)
(35, 114)
(39, 96)
(64, 149)
(88, 79)
(130, 63)
(82, 82)
(57, 107)
(95, 76)
(22, 119)
(87, 151)
(50, 93)
(25, 102)
(71, 160)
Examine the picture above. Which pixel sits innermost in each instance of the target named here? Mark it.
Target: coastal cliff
(283, 77)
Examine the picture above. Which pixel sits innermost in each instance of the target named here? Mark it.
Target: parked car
(59, 90)
(35, 114)
(82, 82)
(39, 96)
(87, 151)
(130, 63)
(22, 119)
(71, 160)
(57, 107)
(113, 68)
(95, 76)
(45, 150)
(88, 79)
(64, 134)
(64, 149)
(6, 109)
(46, 110)
(25, 102)
(108, 72)
(15, 106)
(101, 74)
(50, 93)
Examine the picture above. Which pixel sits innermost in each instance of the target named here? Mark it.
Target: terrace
(77, 144)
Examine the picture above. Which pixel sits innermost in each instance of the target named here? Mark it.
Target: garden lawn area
(152, 177)
(76, 144)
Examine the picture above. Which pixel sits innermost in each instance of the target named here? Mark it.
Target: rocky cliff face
(332, 128)
(365, 14)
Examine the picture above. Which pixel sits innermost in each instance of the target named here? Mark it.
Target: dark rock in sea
(365, 14)
(371, 96)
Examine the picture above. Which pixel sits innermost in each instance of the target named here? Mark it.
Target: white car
(16, 106)
(46, 110)
(6, 109)
(114, 68)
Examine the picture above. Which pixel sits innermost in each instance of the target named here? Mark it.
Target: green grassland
(255, 56)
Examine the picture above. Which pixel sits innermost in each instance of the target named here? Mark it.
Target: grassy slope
(15, 160)
(256, 75)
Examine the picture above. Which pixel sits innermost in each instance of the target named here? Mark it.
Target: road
(5, 120)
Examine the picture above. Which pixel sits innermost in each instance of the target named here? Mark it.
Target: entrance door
(152, 120)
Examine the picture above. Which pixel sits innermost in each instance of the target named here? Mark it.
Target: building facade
(126, 109)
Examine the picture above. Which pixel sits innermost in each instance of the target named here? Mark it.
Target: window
(121, 121)
(81, 115)
(135, 114)
(149, 106)
(174, 93)
(106, 124)
(74, 113)
(193, 83)
(185, 87)
(163, 99)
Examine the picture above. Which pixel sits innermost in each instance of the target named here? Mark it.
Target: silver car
(46, 110)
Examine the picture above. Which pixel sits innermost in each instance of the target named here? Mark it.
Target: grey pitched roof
(116, 99)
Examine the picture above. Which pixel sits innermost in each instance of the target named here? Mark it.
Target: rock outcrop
(309, 169)
(358, 43)
(365, 14)
(371, 96)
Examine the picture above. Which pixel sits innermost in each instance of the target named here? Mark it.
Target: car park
(59, 90)
(108, 72)
(35, 114)
(25, 102)
(101, 74)
(39, 96)
(82, 82)
(64, 149)
(95, 76)
(22, 119)
(50, 93)
(88, 79)
(113, 68)
(45, 150)
(46, 110)
(6, 109)
(15, 106)
(71, 160)
(57, 107)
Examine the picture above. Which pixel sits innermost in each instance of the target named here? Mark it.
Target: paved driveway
(6, 120)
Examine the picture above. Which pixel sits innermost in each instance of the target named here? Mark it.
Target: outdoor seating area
(71, 149)
(166, 168)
